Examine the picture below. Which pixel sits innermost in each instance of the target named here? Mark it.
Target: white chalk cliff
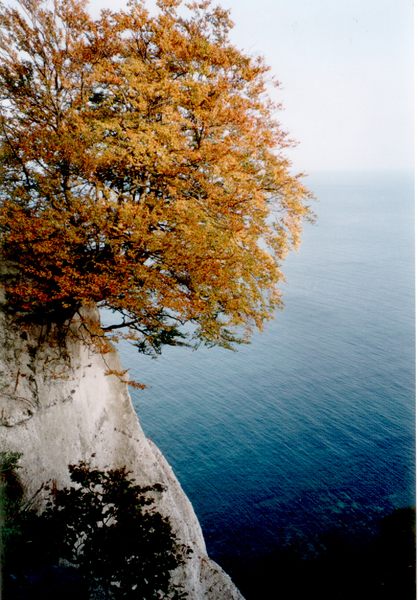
(58, 406)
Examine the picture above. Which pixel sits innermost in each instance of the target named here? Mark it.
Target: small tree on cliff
(141, 170)
(105, 525)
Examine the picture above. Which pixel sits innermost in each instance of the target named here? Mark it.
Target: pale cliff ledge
(58, 407)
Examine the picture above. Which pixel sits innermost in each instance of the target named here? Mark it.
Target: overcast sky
(346, 69)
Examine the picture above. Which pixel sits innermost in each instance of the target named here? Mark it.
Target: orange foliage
(142, 170)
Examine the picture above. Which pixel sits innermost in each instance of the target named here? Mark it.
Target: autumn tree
(142, 170)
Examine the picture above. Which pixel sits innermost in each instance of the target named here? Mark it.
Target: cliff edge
(58, 406)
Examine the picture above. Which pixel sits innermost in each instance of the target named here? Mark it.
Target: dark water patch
(372, 560)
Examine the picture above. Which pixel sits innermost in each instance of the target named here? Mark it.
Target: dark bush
(102, 537)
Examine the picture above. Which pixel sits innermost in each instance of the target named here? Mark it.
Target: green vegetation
(11, 494)
(100, 537)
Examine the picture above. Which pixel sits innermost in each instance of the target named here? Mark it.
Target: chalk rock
(59, 406)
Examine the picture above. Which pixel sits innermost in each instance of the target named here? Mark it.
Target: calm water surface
(312, 425)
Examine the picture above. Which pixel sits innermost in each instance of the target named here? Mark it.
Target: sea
(297, 447)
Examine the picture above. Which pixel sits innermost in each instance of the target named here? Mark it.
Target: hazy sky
(346, 68)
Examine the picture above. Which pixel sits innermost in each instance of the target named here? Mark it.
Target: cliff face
(58, 406)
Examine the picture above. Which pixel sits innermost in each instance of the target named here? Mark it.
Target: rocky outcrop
(58, 406)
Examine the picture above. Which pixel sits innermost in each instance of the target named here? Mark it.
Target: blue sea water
(312, 425)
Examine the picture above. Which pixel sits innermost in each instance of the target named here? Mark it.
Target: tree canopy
(142, 170)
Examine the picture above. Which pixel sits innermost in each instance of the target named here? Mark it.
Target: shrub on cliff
(11, 498)
(101, 536)
(107, 526)
(142, 169)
